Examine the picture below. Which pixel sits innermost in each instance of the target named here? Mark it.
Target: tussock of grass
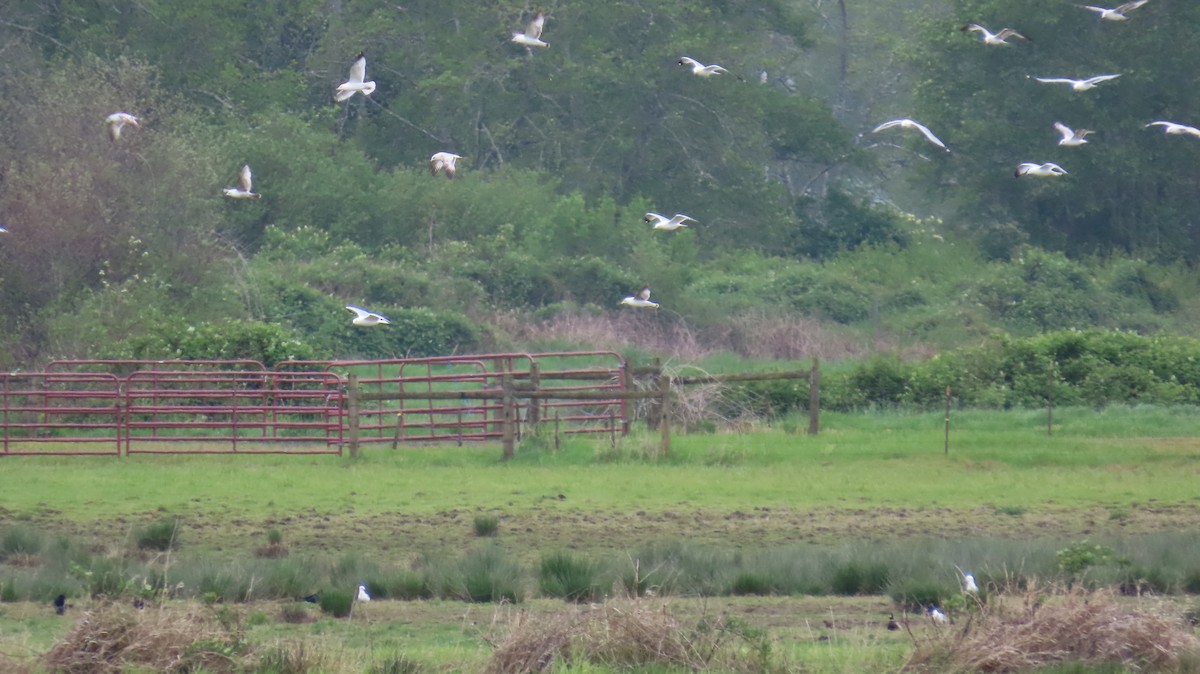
(1045, 628)
(115, 638)
(621, 635)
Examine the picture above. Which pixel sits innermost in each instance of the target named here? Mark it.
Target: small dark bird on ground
(892, 624)
(60, 604)
(312, 599)
(139, 604)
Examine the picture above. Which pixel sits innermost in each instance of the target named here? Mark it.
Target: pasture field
(871, 486)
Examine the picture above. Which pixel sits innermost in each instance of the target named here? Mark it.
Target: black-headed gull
(1176, 129)
(969, 585)
(668, 224)
(1071, 137)
(443, 161)
(699, 69)
(243, 190)
(117, 121)
(642, 300)
(368, 318)
(1078, 85)
(532, 37)
(1044, 170)
(910, 124)
(354, 83)
(989, 37)
(362, 593)
(1117, 13)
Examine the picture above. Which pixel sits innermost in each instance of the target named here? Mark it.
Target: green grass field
(873, 487)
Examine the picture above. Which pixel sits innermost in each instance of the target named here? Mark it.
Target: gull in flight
(443, 161)
(699, 69)
(354, 83)
(641, 300)
(1117, 13)
(367, 318)
(362, 593)
(1078, 85)
(242, 191)
(117, 121)
(1044, 170)
(1176, 129)
(910, 124)
(669, 225)
(993, 38)
(1070, 137)
(3, 230)
(532, 37)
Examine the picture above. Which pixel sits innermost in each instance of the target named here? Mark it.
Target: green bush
(163, 535)
(486, 525)
(486, 575)
(21, 540)
(917, 595)
(565, 576)
(337, 603)
(853, 578)
(752, 583)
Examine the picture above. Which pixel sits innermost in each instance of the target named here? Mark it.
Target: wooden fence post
(534, 416)
(352, 412)
(664, 412)
(814, 397)
(627, 385)
(509, 415)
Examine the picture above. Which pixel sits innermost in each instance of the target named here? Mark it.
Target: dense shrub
(162, 535)
(564, 575)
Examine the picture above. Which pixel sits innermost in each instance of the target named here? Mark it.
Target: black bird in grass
(892, 624)
(312, 598)
(139, 604)
(60, 604)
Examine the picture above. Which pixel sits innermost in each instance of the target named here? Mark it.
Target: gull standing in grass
(532, 37)
(243, 191)
(1117, 13)
(367, 318)
(443, 161)
(640, 300)
(1174, 129)
(1078, 85)
(910, 124)
(1042, 170)
(362, 593)
(937, 616)
(1071, 137)
(1000, 38)
(118, 121)
(969, 585)
(354, 83)
(699, 69)
(669, 225)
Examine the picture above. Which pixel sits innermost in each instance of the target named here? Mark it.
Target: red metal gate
(60, 413)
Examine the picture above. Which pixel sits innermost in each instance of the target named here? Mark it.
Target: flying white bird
(1070, 137)
(243, 190)
(362, 593)
(993, 38)
(937, 616)
(3, 230)
(1174, 129)
(969, 584)
(699, 69)
(532, 37)
(443, 161)
(117, 121)
(1044, 170)
(1078, 85)
(641, 300)
(1117, 13)
(669, 225)
(368, 318)
(910, 124)
(354, 83)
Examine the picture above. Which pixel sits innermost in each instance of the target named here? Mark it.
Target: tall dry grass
(620, 634)
(1044, 627)
(116, 638)
(752, 335)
